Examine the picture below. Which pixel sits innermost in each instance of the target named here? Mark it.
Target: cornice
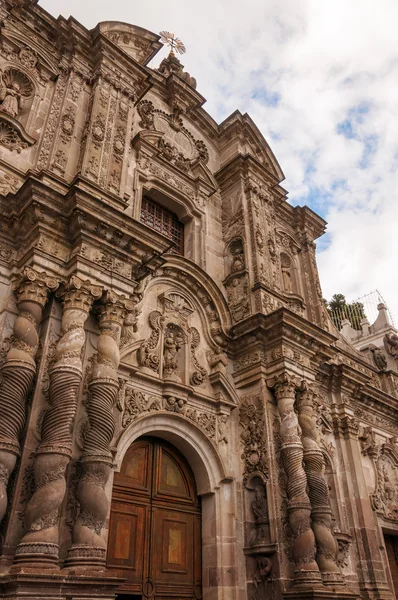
(263, 345)
(246, 166)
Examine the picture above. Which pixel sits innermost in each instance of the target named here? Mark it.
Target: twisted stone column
(306, 571)
(89, 547)
(19, 369)
(321, 513)
(40, 543)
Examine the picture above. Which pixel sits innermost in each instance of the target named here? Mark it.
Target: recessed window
(164, 221)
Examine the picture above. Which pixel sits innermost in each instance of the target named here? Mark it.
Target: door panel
(155, 523)
(128, 529)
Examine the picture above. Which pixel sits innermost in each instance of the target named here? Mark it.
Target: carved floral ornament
(133, 403)
(385, 496)
(254, 453)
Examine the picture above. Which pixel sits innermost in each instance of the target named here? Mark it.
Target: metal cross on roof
(174, 42)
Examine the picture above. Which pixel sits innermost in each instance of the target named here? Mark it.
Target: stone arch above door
(205, 461)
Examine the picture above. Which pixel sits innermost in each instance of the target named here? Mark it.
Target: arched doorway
(155, 530)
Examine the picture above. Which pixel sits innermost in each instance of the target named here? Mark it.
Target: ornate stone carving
(54, 451)
(252, 435)
(259, 507)
(173, 342)
(19, 368)
(14, 87)
(237, 253)
(146, 353)
(171, 153)
(13, 136)
(51, 125)
(299, 507)
(135, 403)
(173, 404)
(368, 442)
(391, 344)
(146, 111)
(8, 184)
(237, 293)
(67, 124)
(385, 497)
(321, 513)
(343, 556)
(198, 376)
(130, 327)
(378, 357)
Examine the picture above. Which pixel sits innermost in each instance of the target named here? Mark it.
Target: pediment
(240, 135)
(139, 43)
(18, 49)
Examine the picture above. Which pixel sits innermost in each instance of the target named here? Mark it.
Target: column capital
(307, 394)
(33, 286)
(79, 294)
(113, 309)
(284, 385)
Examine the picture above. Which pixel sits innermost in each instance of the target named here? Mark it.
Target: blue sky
(320, 81)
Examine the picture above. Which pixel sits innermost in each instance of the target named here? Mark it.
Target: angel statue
(11, 92)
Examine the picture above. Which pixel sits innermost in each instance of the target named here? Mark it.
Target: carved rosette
(299, 509)
(321, 514)
(40, 543)
(88, 547)
(19, 369)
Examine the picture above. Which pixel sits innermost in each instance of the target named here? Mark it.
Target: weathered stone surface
(225, 349)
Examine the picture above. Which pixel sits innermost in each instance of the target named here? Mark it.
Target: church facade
(179, 419)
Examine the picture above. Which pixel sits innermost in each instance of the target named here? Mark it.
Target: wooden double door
(154, 536)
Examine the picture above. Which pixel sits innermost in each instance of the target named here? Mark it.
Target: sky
(320, 79)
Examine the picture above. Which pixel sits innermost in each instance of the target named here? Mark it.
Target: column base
(82, 555)
(307, 579)
(44, 554)
(333, 579)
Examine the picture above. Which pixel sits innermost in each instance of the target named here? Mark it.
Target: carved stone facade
(223, 349)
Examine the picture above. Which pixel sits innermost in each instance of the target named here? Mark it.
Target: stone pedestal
(32, 584)
(321, 594)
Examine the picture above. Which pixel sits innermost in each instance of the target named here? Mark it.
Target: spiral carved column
(321, 513)
(89, 547)
(306, 571)
(19, 370)
(40, 543)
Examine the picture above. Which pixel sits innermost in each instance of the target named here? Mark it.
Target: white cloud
(322, 60)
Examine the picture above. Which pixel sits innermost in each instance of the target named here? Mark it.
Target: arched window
(164, 221)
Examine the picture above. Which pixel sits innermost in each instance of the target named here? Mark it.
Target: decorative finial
(175, 43)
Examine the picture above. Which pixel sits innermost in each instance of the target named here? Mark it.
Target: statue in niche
(14, 86)
(260, 510)
(237, 263)
(11, 98)
(237, 253)
(286, 274)
(173, 341)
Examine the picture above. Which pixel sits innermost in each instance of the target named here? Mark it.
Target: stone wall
(227, 351)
